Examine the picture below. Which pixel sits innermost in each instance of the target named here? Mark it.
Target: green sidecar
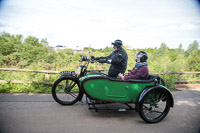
(111, 89)
(151, 99)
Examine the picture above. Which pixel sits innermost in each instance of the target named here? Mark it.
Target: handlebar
(92, 59)
(82, 70)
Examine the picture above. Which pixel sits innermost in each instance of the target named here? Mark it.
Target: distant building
(61, 47)
(77, 50)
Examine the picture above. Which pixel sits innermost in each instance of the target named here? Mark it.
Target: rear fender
(146, 90)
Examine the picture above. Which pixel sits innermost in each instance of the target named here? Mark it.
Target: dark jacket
(119, 62)
(140, 73)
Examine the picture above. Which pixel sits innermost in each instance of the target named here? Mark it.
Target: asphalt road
(30, 113)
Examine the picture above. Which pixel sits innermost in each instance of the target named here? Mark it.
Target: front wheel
(66, 91)
(154, 106)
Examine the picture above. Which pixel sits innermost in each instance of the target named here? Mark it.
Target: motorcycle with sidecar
(151, 99)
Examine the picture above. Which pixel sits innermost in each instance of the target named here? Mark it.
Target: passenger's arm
(138, 74)
(121, 76)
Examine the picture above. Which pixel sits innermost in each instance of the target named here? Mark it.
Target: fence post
(46, 77)
(180, 77)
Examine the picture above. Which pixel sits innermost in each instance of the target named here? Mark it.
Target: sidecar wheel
(66, 91)
(155, 106)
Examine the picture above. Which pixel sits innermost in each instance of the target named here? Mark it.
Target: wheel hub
(67, 90)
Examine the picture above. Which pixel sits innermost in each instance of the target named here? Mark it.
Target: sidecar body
(152, 100)
(105, 88)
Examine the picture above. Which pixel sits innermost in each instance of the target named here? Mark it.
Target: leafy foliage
(32, 53)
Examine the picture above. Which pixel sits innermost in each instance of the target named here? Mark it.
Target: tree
(1, 59)
(49, 58)
(6, 46)
(107, 49)
(44, 42)
(192, 47)
(9, 43)
(30, 40)
(12, 59)
(180, 49)
(163, 50)
(179, 64)
(76, 57)
(194, 61)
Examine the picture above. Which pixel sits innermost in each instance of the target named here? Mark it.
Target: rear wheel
(154, 106)
(66, 91)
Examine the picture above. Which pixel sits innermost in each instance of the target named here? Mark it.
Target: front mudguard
(158, 87)
(76, 79)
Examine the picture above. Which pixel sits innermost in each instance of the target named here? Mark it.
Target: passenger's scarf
(139, 64)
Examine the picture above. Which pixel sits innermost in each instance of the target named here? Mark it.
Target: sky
(97, 23)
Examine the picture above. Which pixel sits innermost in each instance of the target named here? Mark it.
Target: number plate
(67, 73)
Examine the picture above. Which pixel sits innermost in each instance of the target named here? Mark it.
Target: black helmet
(142, 55)
(117, 43)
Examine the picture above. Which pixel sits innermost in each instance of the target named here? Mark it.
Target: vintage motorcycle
(151, 99)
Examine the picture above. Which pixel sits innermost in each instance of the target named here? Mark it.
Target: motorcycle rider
(140, 71)
(118, 59)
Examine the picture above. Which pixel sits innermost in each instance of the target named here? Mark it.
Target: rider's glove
(92, 57)
(102, 61)
(109, 61)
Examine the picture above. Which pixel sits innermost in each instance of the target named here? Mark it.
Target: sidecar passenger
(140, 71)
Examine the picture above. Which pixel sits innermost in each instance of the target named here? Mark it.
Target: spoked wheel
(66, 91)
(154, 106)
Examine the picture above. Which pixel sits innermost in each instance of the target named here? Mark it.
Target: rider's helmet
(142, 55)
(117, 43)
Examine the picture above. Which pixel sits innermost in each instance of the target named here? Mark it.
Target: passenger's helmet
(117, 43)
(142, 55)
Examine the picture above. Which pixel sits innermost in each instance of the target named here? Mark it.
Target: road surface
(38, 113)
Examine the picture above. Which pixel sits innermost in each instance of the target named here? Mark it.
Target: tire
(66, 91)
(154, 106)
